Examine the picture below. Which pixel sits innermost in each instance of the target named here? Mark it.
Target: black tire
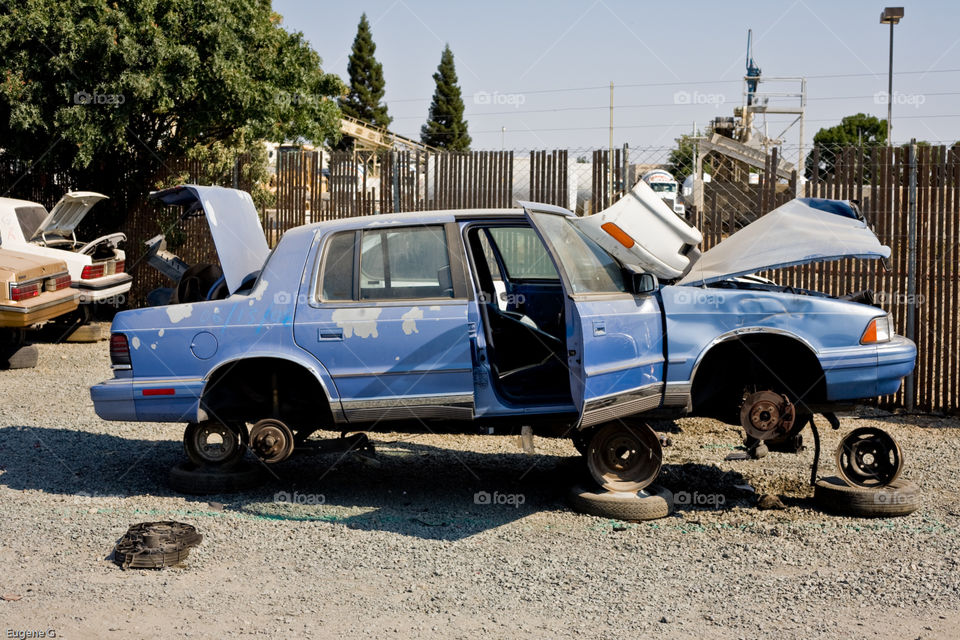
(25, 357)
(650, 504)
(187, 477)
(901, 497)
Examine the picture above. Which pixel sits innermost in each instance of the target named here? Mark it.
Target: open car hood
(234, 225)
(67, 213)
(640, 229)
(801, 231)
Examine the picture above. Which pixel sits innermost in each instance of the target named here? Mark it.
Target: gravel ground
(402, 549)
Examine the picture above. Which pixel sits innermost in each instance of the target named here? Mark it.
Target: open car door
(615, 347)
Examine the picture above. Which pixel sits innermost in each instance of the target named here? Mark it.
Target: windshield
(589, 267)
(30, 219)
(660, 187)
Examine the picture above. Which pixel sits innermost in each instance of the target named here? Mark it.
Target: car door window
(338, 262)
(405, 263)
(523, 254)
(589, 267)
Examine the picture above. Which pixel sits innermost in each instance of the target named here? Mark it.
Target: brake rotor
(271, 440)
(767, 414)
(153, 545)
(869, 457)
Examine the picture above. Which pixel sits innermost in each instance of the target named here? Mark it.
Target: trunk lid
(234, 225)
(67, 214)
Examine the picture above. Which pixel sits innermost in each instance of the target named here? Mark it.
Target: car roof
(15, 202)
(413, 217)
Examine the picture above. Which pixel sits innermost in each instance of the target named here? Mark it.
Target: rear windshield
(30, 219)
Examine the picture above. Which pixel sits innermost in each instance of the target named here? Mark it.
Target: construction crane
(753, 71)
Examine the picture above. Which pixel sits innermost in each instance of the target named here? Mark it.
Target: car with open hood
(97, 267)
(494, 319)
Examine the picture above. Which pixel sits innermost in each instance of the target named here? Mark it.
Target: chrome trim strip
(619, 405)
(440, 399)
(632, 364)
(409, 372)
(677, 394)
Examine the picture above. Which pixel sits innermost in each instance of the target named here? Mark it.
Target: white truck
(665, 186)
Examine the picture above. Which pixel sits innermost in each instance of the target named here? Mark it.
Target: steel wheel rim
(215, 452)
(624, 457)
(869, 457)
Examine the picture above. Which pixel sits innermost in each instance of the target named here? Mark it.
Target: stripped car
(96, 267)
(500, 319)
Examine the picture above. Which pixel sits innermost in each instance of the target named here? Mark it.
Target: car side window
(337, 279)
(523, 254)
(404, 263)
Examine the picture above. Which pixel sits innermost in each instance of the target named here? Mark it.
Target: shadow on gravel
(410, 489)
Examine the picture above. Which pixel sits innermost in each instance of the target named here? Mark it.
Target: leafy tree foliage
(856, 130)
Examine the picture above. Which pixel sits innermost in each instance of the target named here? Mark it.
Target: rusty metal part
(153, 545)
(271, 440)
(767, 414)
(869, 457)
(212, 443)
(624, 456)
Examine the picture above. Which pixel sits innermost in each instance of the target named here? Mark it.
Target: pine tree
(445, 127)
(363, 102)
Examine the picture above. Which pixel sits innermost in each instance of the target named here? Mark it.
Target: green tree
(367, 86)
(445, 127)
(681, 158)
(106, 94)
(853, 131)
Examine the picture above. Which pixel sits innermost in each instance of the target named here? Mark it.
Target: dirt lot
(347, 548)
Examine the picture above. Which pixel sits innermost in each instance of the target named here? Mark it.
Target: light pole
(890, 16)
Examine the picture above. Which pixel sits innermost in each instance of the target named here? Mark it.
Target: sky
(536, 74)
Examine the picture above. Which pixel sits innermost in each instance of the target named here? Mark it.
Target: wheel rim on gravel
(869, 457)
(214, 442)
(271, 440)
(624, 457)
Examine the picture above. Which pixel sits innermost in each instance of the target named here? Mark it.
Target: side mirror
(639, 282)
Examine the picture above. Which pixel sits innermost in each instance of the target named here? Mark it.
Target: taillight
(92, 271)
(119, 349)
(121, 265)
(56, 283)
(20, 292)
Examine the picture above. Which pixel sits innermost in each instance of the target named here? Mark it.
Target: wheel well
(255, 388)
(766, 361)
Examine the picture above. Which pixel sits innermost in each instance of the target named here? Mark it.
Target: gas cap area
(203, 345)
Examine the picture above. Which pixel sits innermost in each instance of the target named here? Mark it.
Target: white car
(96, 267)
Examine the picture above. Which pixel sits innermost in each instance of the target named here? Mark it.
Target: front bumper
(148, 400)
(868, 371)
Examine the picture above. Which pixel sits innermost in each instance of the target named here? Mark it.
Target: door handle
(334, 333)
(599, 328)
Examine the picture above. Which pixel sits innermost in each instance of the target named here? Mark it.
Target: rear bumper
(868, 371)
(153, 400)
(40, 309)
(103, 289)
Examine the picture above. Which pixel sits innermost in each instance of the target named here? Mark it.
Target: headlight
(880, 329)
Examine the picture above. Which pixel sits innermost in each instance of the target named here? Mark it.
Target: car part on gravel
(899, 498)
(271, 440)
(765, 415)
(869, 457)
(154, 545)
(200, 480)
(647, 504)
(22, 357)
(624, 456)
(214, 443)
(85, 333)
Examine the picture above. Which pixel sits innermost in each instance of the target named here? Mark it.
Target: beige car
(33, 289)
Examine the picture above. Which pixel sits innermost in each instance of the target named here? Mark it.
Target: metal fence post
(910, 391)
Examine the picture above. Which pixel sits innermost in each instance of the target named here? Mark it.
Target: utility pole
(890, 16)
(908, 384)
(610, 151)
